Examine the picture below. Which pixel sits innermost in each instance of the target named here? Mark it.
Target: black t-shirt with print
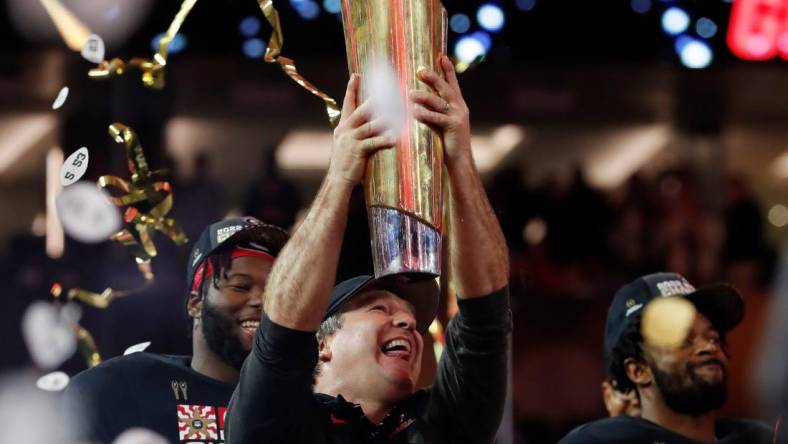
(158, 392)
(631, 430)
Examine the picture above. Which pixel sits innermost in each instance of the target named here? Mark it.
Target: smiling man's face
(231, 312)
(378, 349)
(692, 377)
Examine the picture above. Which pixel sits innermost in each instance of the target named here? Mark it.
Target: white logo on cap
(223, 233)
(633, 309)
(675, 288)
(197, 256)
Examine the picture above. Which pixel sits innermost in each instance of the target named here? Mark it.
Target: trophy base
(402, 243)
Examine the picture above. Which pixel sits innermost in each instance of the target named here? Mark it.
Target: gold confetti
(273, 55)
(152, 70)
(87, 346)
(143, 188)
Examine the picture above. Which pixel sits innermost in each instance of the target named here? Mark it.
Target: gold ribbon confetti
(85, 342)
(87, 346)
(152, 70)
(143, 188)
(273, 55)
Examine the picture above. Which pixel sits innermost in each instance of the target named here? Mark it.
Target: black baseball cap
(235, 231)
(422, 293)
(721, 303)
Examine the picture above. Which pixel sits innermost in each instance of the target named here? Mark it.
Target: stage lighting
(682, 41)
(249, 26)
(307, 9)
(525, 5)
(491, 17)
(484, 38)
(254, 48)
(468, 48)
(460, 23)
(675, 20)
(705, 27)
(640, 6)
(332, 6)
(696, 55)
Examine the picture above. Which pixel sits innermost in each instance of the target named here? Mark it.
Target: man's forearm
(298, 288)
(478, 256)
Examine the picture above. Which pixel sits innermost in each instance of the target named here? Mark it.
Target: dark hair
(220, 263)
(629, 346)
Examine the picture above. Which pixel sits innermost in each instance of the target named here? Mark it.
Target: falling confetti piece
(86, 213)
(74, 167)
(136, 348)
(61, 98)
(667, 321)
(28, 414)
(381, 87)
(49, 337)
(139, 435)
(53, 382)
(93, 51)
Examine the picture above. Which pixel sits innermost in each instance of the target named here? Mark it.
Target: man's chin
(246, 339)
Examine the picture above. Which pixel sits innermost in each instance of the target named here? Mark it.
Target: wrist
(337, 184)
(460, 163)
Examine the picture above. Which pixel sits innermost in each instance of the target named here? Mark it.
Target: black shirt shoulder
(619, 429)
(626, 429)
(158, 392)
(738, 430)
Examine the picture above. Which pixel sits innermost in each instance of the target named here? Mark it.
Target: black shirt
(274, 402)
(158, 392)
(627, 429)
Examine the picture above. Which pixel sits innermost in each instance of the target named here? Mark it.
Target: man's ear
(323, 349)
(194, 306)
(638, 371)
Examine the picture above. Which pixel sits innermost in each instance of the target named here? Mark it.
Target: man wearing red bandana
(184, 398)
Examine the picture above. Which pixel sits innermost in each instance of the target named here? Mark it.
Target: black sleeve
(467, 399)
(96, 408)
(273, 401)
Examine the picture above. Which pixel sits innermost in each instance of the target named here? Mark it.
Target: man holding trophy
(341, 366)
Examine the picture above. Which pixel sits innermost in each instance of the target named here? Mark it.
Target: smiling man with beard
(184, 398)
(679, 389)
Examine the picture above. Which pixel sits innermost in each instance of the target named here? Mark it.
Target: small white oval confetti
(53, 382)
(381, 87)
(74, 167)
(93, 50)
(49, 338)
(139, 435)
(61, 98)
(136, 348)
(86, 213)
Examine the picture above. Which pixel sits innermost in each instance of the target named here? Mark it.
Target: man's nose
(256, 298)
(405, 320)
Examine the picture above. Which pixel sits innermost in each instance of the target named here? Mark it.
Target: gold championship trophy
(403, 186)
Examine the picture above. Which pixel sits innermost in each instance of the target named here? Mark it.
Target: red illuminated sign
(759, 29)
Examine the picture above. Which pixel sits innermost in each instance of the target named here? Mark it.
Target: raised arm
(478, 256)
(301, 280)
(273, 399)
